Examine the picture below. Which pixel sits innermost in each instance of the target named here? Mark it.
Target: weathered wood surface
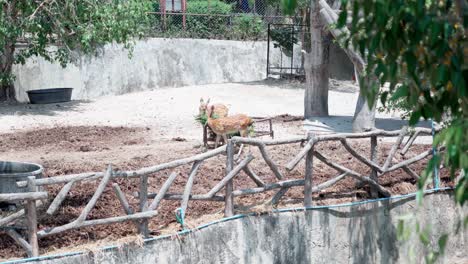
(231, 174)
(188, 186)
(100, 189)
(12, 197)
(253, 176)
(394, 149)
(353, 174)
(31, 220)
(309, 169)
(179, 196)
(59, 198)
(127, 174)
(75, 224)
(227, 181)
(163, 191)
(122, 199)
(15, 216)
(20, 241)
(293, 163)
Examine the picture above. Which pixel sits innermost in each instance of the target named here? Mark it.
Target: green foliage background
(68, 25)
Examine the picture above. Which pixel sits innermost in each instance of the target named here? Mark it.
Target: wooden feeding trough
(263, 126)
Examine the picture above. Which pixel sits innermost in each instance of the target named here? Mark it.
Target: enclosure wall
(365, 233)
(156, 63)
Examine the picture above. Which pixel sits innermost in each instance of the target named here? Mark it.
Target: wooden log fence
(149, 202)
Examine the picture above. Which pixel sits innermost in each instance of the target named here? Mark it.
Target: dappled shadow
(371, 233)
(25, 109)
(344, 124)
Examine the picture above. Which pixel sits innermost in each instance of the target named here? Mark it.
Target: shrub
(208, 26)
(248, 27)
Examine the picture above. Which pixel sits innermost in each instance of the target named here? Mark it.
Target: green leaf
(442, 243)
(342, 19)
(415, 117)
(289, 6)
(400, 92)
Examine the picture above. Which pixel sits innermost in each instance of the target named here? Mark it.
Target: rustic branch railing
(31, 246)
(149, 202)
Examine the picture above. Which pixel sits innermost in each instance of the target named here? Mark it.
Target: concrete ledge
(363, 232)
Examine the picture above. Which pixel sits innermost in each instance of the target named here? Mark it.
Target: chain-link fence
(215, 19)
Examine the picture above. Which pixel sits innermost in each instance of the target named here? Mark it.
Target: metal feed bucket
(12, 172)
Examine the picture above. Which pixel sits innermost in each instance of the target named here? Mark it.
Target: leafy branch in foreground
(418, 48)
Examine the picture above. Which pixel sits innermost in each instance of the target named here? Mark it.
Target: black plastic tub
(49, 96)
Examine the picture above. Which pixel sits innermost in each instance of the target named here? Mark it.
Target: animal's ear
(201, 100)
(208, 101)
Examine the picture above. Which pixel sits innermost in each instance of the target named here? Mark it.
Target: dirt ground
(66, 150)
(148, 128)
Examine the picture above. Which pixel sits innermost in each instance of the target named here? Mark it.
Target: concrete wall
(365, 233)
(156, 63)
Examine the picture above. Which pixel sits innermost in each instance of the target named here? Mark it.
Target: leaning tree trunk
(316, 67)
(364, 117)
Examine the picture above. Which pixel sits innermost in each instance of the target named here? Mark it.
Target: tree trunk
(316, 67)
(364, 117)
(7, 91)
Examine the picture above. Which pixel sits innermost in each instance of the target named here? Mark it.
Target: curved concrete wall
(364, 233)
(158, 63)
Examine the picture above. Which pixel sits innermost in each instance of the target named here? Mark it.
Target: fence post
(143, 229)
(229, 198)
(373, 156)
(31, 218)
(308, 174)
